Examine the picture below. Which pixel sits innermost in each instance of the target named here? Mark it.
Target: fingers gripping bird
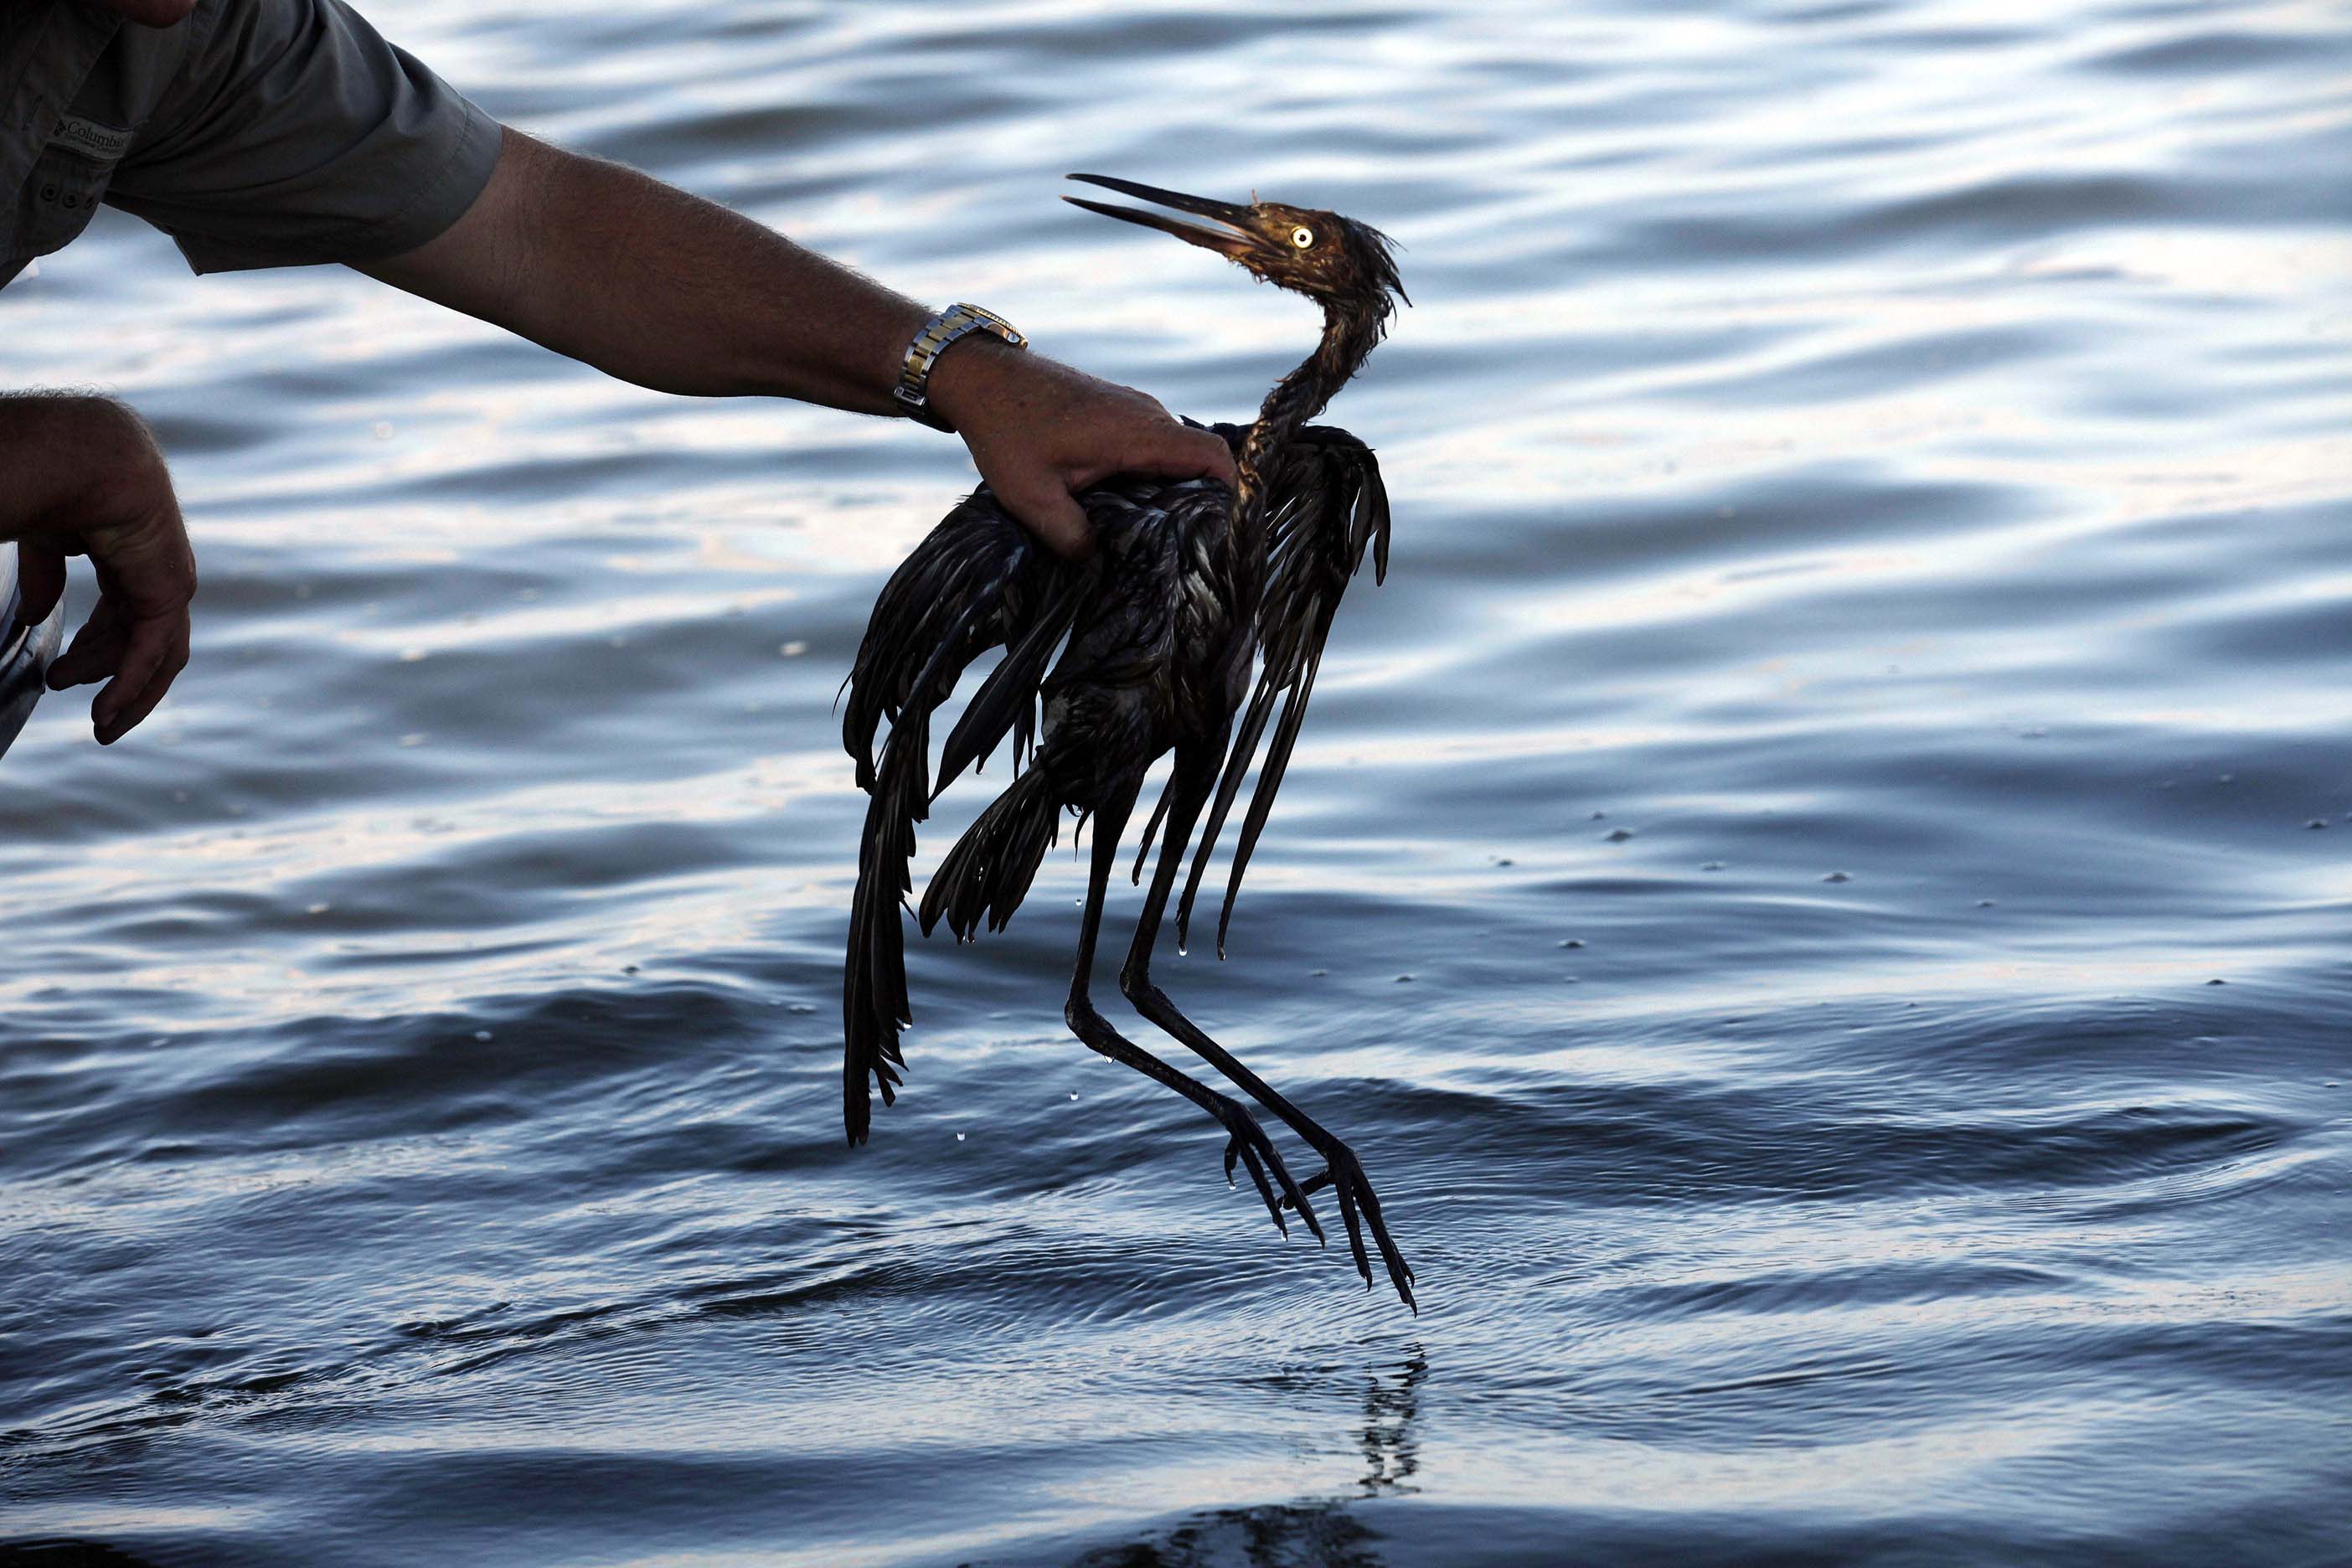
(1199, 622)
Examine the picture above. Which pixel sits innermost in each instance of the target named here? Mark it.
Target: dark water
(1890, 461)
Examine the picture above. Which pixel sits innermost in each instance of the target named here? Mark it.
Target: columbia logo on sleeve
(88, 137)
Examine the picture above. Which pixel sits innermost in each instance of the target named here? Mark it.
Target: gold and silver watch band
(913, 391)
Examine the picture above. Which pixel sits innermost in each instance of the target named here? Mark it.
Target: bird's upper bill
(1317, 253)
(1234, 235)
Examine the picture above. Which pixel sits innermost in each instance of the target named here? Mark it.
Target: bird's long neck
(1350, 336)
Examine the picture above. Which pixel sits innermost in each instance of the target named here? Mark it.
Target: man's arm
(647, 283)
(84, 478)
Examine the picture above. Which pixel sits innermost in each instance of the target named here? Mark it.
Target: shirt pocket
(60, 197)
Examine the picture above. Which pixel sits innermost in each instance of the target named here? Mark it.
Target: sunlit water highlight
(1867, 652)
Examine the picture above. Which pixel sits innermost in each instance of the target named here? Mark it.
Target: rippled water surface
(1822, 888)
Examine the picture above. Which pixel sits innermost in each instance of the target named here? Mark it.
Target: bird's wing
(1325, 508)
(976, 582)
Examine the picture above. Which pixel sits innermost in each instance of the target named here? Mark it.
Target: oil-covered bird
(1195, 627)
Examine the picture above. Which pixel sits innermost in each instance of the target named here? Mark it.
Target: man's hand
(1041, 431)
(85, 478)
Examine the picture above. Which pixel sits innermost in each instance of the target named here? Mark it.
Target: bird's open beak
(1230, 241)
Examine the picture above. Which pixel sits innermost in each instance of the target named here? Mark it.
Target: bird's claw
(1345, 1176)
(1313, 1183)
(1250, 1146)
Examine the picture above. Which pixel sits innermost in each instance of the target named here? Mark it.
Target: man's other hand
(87, 478)
(1040, 433)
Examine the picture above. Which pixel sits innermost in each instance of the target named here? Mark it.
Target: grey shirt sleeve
(294, 133)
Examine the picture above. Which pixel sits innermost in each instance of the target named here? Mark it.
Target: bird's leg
(1342, 1173)
(1247, 1139)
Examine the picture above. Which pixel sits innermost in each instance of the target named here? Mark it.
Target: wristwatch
(913, 392)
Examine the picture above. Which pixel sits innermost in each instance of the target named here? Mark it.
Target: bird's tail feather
(976, 582)
(874, 1005)
(990, 868)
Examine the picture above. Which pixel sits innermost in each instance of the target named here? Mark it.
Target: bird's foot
(1250, 1146)
(1345, 1176)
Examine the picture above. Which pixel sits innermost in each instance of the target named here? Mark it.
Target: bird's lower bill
(1231, 238)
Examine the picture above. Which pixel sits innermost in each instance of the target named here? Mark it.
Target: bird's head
(1332, 259)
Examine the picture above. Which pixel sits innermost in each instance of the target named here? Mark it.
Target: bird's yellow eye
(1302, 237)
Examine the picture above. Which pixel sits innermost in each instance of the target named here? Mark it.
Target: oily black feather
(1326, 507)
(976, 582)
(1137, 667)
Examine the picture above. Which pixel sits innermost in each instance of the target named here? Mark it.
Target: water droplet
(1403, 979)
(803, 1007)
(1617, 835)
(412, 656)
(317, 909)
(1837, 876)
(793, 648)
(481, 1034)
(2217, 982)
(414, 738)
(1571, 941)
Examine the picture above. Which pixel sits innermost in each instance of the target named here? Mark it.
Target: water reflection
(1277, 1535)
(1314, 1532)
(1392, 1411)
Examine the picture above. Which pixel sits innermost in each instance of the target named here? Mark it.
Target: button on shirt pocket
(58, 198)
